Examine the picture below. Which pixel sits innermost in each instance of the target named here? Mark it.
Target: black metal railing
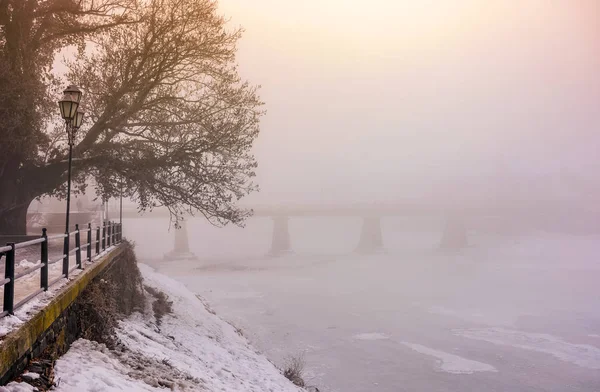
(110, 237)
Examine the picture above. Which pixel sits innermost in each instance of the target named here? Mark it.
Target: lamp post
(73, 116)
(121, 205)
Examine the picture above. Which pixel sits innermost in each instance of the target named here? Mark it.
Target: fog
(512, 311)
(487, 103)
(379, 101)
(414, 103)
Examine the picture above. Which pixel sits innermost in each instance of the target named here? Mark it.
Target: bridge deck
(517, 209)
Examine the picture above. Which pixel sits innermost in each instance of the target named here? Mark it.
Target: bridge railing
(110, 234)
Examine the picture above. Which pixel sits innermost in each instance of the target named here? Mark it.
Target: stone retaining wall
(55, 326)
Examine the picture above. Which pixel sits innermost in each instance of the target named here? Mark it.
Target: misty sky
(365, 98)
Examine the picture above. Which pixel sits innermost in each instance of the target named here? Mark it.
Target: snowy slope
(192, 350)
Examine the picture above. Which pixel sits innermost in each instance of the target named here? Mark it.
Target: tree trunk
(18, 188)
(14, 220)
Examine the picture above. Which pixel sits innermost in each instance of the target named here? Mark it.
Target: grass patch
(105, 301)
(294, 369)
(161, 304)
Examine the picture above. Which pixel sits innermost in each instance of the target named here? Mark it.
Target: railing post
(89, 243)
(9, 273)
(98, 240)
(78, 247)
(65, 269)
(103, 236)
(44, 260)
(108, 234)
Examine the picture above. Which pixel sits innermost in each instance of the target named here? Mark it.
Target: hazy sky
(364, 97)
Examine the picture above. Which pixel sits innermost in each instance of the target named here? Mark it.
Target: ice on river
(511, 312)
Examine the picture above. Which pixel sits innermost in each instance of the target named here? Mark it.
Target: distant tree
(168, 117)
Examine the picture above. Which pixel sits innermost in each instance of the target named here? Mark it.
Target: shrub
(161, 304)
(294, 369)
(104, 301)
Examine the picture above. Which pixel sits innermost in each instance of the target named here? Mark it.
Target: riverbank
(188, 349)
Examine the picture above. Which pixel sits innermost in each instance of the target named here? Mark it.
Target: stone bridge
(457, 216)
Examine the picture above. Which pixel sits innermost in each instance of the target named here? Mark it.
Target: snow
(17, 387)
(89, 366)
(371, 336)
(582, 355)
(26, 264)
(191, 350)
(27, 311)
(496, 318)
(451, 363)
(30, 376)
(9, 323)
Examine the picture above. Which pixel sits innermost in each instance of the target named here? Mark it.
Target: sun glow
(335, 30)
(481, 78)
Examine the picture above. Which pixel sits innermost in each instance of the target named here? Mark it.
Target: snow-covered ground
(191, 350)
(511, 313)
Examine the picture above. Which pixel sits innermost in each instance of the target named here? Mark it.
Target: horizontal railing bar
(29, 243)
(56, 280)
(41, 240)
(53, 237)
(56, 261)
(28, 298)
(28, 271)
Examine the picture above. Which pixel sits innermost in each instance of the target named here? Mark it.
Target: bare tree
(168, 115)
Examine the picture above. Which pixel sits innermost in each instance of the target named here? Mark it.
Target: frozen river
(515, 313)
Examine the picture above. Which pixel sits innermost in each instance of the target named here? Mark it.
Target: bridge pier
(181, 248)
(281, 243)
(370, 236)
(455, 234)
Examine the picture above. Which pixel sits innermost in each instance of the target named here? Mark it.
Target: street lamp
(73, 116)
(74, 91)
(68, 108)
(121, 206)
